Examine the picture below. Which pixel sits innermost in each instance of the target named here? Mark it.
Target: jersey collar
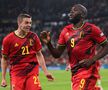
(79, 27)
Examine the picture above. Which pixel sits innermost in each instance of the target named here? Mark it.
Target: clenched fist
(45, 36)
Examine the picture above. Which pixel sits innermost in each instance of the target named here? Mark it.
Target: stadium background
(51, 15)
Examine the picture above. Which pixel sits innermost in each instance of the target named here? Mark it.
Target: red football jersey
(81, 44)
(21, 51)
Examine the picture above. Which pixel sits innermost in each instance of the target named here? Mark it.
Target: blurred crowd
(51, 15)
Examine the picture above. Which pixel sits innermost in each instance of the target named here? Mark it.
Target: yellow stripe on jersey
(61, 44)
(104, 42)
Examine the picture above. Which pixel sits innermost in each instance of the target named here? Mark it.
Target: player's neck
(20, 33)
(78, 25)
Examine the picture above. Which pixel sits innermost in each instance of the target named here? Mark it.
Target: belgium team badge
(31, 41)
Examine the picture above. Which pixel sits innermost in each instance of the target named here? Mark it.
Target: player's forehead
(27, 20)
(75, 8)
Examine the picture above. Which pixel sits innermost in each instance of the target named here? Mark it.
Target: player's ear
(19, 22)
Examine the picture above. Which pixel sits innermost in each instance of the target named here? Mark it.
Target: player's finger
(44, 32)
(50, 77)
(3, 85)
(76, 66)
(75, 69)
(43, 35)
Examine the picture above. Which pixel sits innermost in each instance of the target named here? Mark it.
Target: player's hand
(75, 68)
(49, 77)
(68, 68)
(45, 36)
(86, 63)
(3, 83)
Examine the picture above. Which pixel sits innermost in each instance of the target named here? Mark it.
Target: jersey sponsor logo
(16, 45)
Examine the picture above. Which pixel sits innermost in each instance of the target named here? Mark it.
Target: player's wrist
(3, 77)
(46, 73)
(94, 59)
(48, 42)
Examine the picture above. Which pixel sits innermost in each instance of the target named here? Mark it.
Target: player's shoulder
(9, 36)
(95, 29)
(69, 26)
(92, 25)
(33, 33)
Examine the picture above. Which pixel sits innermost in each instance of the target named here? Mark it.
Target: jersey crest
(31, 42)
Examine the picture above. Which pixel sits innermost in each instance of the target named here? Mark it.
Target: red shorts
(79, 83)
(98, 88)
(28, 82)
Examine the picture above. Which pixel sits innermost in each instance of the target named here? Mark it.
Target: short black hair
(23, 15)
(82, 9)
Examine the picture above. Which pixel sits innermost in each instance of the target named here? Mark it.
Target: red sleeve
(61, 40)
(38, 45)
(5, 46)
(98, 35)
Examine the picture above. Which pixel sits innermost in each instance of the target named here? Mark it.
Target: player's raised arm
(4, 65)
(41, 62)
(56, 52)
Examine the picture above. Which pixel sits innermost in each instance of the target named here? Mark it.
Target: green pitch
(62, 80)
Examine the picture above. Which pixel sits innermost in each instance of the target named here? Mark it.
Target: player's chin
(26, 30)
